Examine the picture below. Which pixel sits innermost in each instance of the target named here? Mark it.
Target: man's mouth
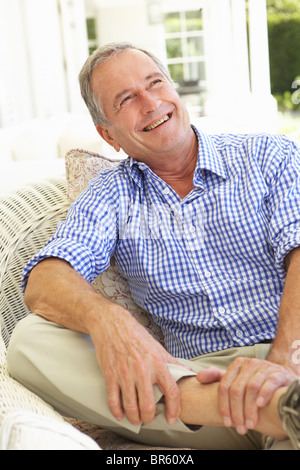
(157, 123)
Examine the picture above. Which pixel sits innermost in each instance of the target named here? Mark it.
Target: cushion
(27, 431)
(81, 166)
(29, 423)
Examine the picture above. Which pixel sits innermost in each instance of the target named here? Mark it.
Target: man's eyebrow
(120, 95)
(154, 75)
(129, 90)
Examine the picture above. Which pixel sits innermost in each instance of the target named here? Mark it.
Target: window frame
(184, 35)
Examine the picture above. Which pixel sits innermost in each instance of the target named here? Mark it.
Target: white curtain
(42, 46)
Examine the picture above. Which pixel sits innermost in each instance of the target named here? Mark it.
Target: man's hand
(245, 387)
(129, 357)
(132, 361)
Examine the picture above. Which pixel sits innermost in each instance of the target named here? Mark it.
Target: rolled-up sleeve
(284, 200)
(88, 236)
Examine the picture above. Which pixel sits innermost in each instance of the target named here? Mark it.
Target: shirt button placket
(239, 333)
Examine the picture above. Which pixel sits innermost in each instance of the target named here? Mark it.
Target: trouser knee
(20, 343)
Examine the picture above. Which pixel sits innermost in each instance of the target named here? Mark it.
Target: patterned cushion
(81, 166)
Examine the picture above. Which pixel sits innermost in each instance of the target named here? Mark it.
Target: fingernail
(260, 401)
(172, 421)
(249, 424)
(227, 421)
(241, 429)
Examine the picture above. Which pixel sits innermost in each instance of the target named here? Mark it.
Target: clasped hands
(132, 362)
(247, 385)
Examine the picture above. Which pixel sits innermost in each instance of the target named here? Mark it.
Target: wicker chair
(28, 218)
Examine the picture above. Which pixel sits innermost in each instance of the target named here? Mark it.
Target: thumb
(209, 375)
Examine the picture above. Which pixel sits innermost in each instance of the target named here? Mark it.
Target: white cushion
(29, 423)
(27, 431)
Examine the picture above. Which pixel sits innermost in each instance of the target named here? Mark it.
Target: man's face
(147, 118)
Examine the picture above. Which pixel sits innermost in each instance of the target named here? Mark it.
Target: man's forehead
(121, 70)
(127, 59)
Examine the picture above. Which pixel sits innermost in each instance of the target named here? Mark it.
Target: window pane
(195, 46)
(91, 28)
(197, 71)
(172, 22)
(92, 49)
(176, 72)
(194, 20)
(174, 48)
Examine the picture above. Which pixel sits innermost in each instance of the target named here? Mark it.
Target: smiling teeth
(157, 123)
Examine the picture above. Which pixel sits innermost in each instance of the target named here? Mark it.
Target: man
(206, 231)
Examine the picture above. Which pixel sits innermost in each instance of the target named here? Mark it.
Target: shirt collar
(137, 170)
(208, 159)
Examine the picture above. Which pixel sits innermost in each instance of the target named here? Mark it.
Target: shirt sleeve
(88, 236)
(284, 198)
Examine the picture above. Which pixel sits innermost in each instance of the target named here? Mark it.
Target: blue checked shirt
(209, 268)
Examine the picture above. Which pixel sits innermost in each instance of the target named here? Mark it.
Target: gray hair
(99, 56)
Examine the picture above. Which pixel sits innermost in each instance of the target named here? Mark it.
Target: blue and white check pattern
(209, 268)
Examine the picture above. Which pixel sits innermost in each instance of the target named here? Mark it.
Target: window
(91, 26)
(184, 37)
(184, 44)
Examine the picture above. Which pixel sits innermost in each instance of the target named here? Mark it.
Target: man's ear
(103, 131)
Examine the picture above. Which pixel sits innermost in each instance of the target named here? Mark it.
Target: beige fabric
(77, 389)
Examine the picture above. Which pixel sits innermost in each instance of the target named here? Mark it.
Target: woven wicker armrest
(28, 218)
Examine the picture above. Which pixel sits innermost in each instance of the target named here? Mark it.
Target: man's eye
(156, 82)
(127, 98)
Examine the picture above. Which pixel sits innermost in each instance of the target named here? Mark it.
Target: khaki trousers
(60, 366)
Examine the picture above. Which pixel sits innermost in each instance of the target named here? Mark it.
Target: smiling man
(218, 269)
(146, 119)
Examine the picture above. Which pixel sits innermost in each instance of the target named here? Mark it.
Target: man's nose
(149, 103)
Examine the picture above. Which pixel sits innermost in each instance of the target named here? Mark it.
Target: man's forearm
(58, 293)
(288, 331)
(131, 360)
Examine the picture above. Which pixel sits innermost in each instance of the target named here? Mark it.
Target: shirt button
(166, 191)
(222, 310)
(192, 229)
(239, 333)
(207, 273)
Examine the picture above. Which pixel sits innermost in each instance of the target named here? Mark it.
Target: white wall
(43, 44)
(42, 47)
(128, 21)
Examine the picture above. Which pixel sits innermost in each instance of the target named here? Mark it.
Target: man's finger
(171, 393)
(225, 388)
(114, 401)
(252, 390)
(210, 375)
(131, 405)
(147, 404)
(271, 384)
